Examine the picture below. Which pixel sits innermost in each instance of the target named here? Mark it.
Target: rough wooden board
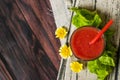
(119, 70)
(62, 18)
(61, 13)
(109, 8)
(89, 4)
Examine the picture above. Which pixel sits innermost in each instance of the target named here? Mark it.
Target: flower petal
(76, 66)
(65, 51)
(61, 32)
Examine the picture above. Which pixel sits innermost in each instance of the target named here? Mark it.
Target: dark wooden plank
(27, 42)
(34, 10)
(4, 74)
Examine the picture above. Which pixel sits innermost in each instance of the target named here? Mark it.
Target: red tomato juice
(80, 46)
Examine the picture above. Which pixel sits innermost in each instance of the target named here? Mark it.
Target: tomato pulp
(80, 46)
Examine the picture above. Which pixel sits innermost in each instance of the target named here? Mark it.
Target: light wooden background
(108, 9)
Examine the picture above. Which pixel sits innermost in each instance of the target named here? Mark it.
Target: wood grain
(28, 47)
(4, 74)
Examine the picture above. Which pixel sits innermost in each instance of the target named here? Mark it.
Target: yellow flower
(76, 66)
(60, 32)
(65, 51)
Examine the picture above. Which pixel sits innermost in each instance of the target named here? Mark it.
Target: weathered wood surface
(108, 9)
(28, 47)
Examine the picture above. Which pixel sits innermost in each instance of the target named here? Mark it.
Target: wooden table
(109, 8)
(28, 47)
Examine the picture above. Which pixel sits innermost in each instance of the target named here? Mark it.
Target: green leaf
(109, 33)
(97, 20)
(99, 69)
(84, 17)
(106, 60)
(110, 47)
(93, 66)
(102, 74)
(80, 21)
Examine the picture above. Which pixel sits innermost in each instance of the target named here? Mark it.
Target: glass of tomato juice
(79, 43)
